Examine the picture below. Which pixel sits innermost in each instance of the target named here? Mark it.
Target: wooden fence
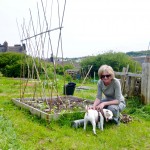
(136, 84)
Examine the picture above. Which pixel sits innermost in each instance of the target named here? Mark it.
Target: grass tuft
(66, 119)
(8, 137)
(137, 109)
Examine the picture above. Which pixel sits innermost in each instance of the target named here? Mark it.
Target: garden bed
(52, 108)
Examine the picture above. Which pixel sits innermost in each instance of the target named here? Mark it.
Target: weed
(136, 108)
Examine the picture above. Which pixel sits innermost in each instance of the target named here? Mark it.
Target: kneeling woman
(110, 87)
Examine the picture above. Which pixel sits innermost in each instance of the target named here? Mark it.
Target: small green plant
(137, 109)
(68, 77)
(8, 137)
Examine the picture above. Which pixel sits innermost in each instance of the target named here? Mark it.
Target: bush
(61, 69)
(68, 77)
(116, 60)
(21, 65)
(10, 64)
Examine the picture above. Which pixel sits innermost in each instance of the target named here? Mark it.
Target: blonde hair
(106, 68)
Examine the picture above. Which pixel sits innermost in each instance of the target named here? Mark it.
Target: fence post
(123, 79)
(145, 83)
(132, 86)
(127, 85)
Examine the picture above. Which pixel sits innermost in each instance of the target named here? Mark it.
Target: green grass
(19, 130)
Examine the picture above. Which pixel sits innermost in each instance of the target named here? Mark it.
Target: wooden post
(86, 75)
(123, 79)
(145, 83)
(132, 86)
(147, 59)
(127, 85)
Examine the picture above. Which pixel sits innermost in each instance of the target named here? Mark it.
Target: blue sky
(90, 26)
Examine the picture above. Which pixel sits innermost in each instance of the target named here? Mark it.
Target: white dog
(95, 116)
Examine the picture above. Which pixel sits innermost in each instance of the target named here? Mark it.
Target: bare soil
(58, 104)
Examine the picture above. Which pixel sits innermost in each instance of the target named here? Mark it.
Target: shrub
(60, 69)
(68, 77)
(10, 64)
(21, 65)
(116, 60)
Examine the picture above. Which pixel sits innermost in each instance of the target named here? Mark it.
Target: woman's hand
(96, 103)
(100, 106)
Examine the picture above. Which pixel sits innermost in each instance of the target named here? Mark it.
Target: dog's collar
(98, 116)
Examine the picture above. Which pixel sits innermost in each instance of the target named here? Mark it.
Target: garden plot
(52, 108)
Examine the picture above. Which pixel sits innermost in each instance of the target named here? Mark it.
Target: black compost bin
(69, 88)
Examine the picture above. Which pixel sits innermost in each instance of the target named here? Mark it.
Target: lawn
(19, 130)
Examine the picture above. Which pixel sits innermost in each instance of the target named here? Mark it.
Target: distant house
(2, 48)
(140, 59)
(16, 48)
